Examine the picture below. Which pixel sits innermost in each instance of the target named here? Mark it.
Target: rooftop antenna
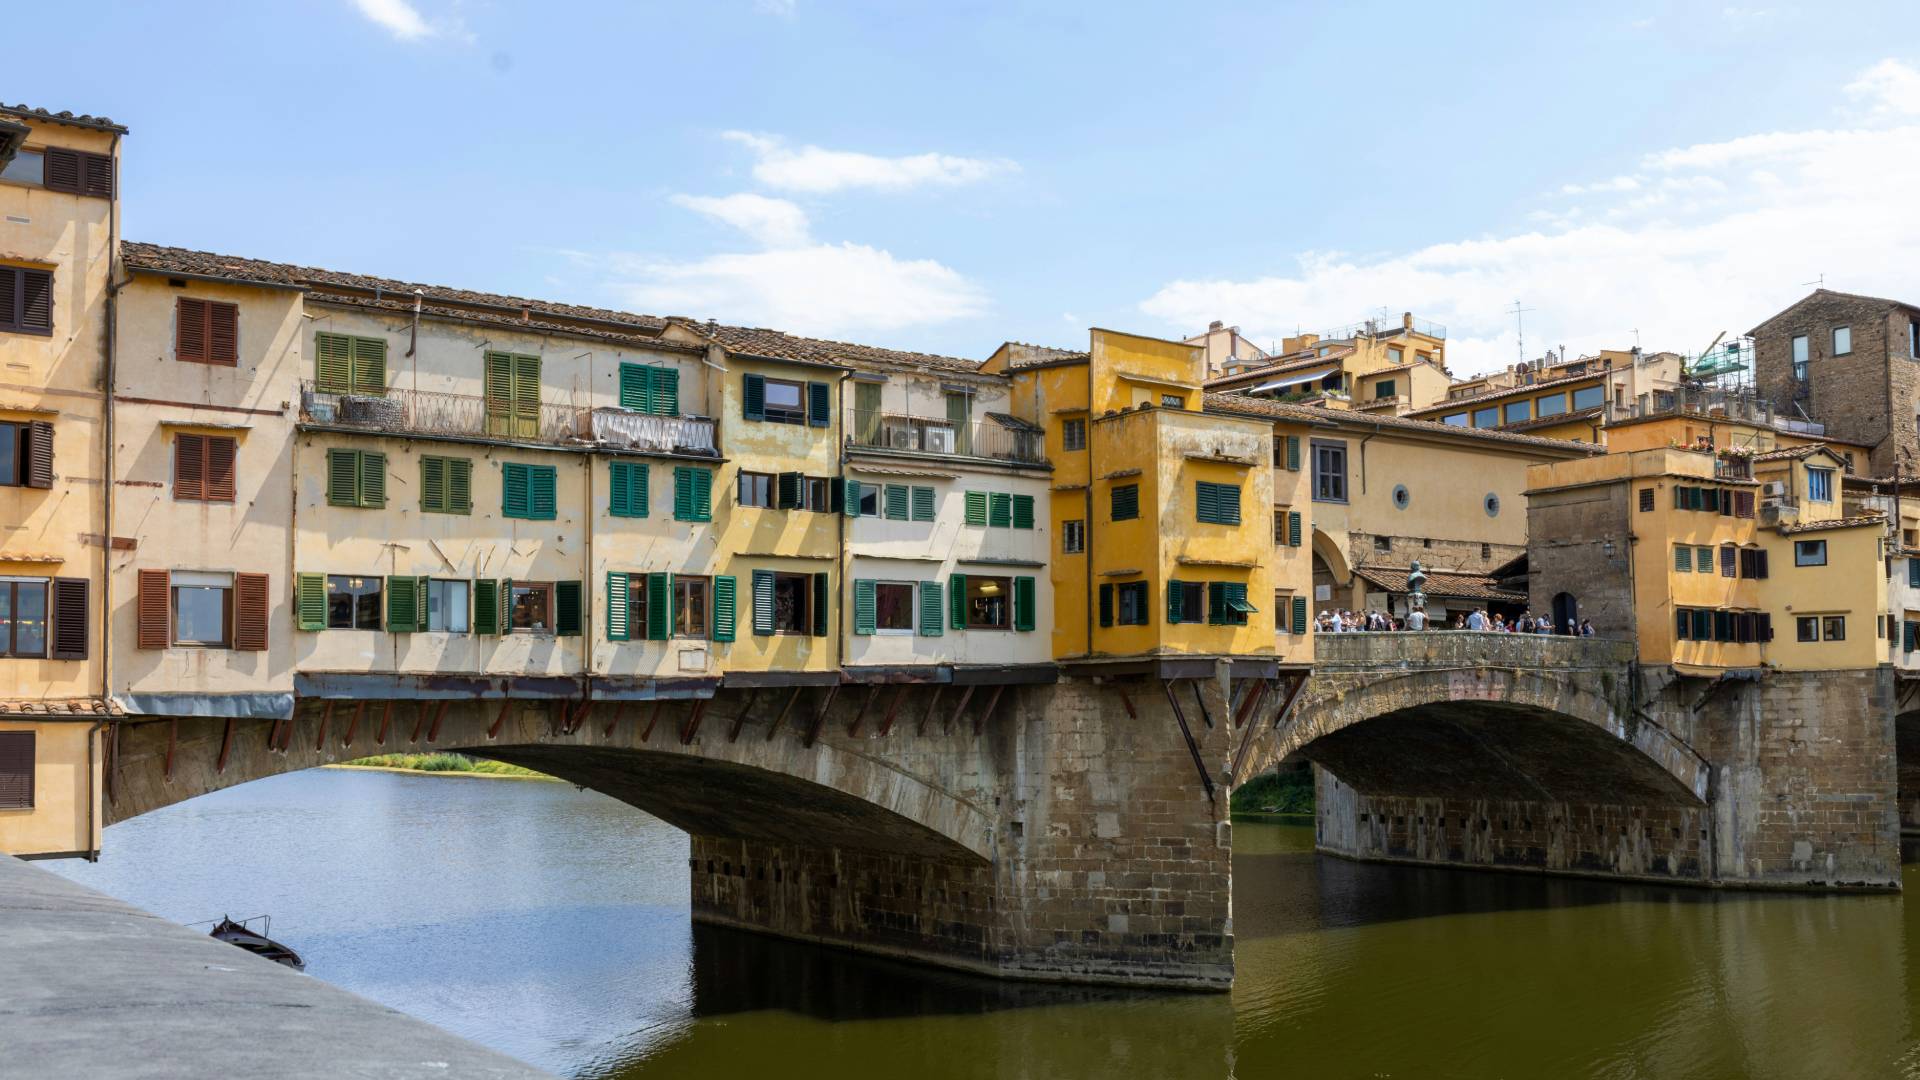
(1636, 337)
(1520, 330)
(1818, 283)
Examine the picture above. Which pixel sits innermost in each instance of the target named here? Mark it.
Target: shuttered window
(406, 604)
(69, 606)
(1299, 614)
(489, 606)
(1227, 603)
(26, 454)
(203, 467)
(819, 404)
(999, 509)
(154, 610)
(78, 172)
(1683, 558)
(865, 604)
(512, 394)
(976, 508)
(627, 489)
(922, 503)
(206, 331)
(763, 601)
(357, 478)
(692, 494)
(1126, 502)
(725, 608)
(310, 601)
(347, 364)
(446, 485)
(1218, 504)
(569, 608)
(529, 492)
(16, 770)
(647, 388)
(26, 300)
(895, 502)
(1024, 603)
(1023, 511)
(932, 611)
(252, 598)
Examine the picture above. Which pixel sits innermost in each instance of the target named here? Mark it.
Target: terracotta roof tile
(1246, 405)
(81, 120)
(780, 345)
(1443, 583)
(1836, 523)
(1506, 391)
(1792, 453)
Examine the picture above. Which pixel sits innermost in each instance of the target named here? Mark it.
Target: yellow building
(1375, 365)
(58, 191)
(1559, 398)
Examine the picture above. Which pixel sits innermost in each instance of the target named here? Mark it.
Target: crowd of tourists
(1341, 621)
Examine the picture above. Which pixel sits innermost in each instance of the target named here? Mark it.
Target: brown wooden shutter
(223, 333)
(69, 607)
(9, 294)
(220, 455)
(189, 467)
(155, 614)
(250, 612)
(36, 300)
(39, 455)
(62, 171)
(16, 770)
(190, 330)
(96, 175)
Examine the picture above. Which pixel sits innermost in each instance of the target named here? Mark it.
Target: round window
(1492, 504)
(1400, 497)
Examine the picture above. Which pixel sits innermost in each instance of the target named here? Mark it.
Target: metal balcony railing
(1708, 401)
(424, 412)
(938, 435)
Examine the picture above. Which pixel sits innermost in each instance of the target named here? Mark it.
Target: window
(627, 489)
(754, 489)
(203, 468)
(923, 504)
(960, 415)
(1646, 500)
(353, 603)
(23, 617)
(446, 484)
(447, 606)
(690, 606)
(1172, 401)
(865, 499)
(792, 603)
(1227, 603)
(1132, 598)
(1394, 356)
(1703, 560)
(1729, 561)
(894, 502)
(1330, 472)
(892, 607)
(1682, 558)
(1487, 417)
(1589, 397)
(1218, 504)
(512, 388)
(1073, 537)
(356, 478)
(1753, 563)
(1806, 628)
(785, 402)
(26, 300)
(692, 494)
(1285, 604)
(1383, 544)
(16, 769)
(1800, 357)
(26, 454)
(530, 607)
(206, 331)
(1383, 389)
(1550, 405)
(1833, 628)
(77, 172)
(203, 609)
(345, 364)
(1518, 412)
(1820, 485)
(1125, 502)
(647, 388)
(528, 492)
(1286, 452)
(1809, 553)
(1842, 340)
(1073, 434)
(1186, 601)
(27, 167)
(1458, 419)
(1491, 504)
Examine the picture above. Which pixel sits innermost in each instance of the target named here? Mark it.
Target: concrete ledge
(100, 989)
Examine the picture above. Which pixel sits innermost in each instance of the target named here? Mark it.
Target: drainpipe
(109, 348)
(1087, 498)
(587, 589)
(843, 558)
(93, 733)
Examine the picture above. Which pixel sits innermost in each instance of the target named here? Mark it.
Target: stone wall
(1583, 545)
(1434, 554)
(1864, 396)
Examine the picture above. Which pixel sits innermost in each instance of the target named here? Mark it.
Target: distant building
(1227, 352)
(1850, 363)
(1372, 366)
(1559, 398)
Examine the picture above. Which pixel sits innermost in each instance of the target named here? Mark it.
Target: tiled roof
(1790, 308)
(82, 706)
(1508, 391)
(784, 346)
(1445, 583)
(1836, 523)
(1247, 405)
(1333, 356)
(1792, 453)
(81, 120)
(1554, 421)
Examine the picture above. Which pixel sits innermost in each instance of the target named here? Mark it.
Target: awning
(257, 706)
(1241, 606)
(1281, 384)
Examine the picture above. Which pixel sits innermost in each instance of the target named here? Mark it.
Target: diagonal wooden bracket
(1186, 732)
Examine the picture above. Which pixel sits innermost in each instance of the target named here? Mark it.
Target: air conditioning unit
(901, 438)
(939, 440)
(1773, 489)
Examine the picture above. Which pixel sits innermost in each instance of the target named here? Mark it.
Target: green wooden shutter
(343, 478)
(433, 484)
(999, 510)
(896, 502)
(370, 366)
(957, 600)
(636, 388)
(852, 498)
(1299, 614)
(618, 607)
(864, 603)
(753, 395)
(932, 617)
(702, 495)
(1293, 528)
(567, 609)
(788, 488)
(1216, 603)
(486, 606)
(515, 490)
(1226, 503)
(976, 508)
(1125, 502)
(1106, 605)
(819, 404)
(665, 385)
(1175, 601)
(620, 488)
(822, 593)
(526, 397)
(1913, 571)
(659, 607)
(724, 605)
(1683, 558)
(682, 493)
(333, 363)
(763, 601)
(310, 601)
(1293, 453)
(1023, 511)
(1204, 506)
(923, 504)
(459, 486)
(403, 605)
(1023, 603)
(499, 393)
(373, 479)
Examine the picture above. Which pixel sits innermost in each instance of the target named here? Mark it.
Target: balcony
(996, 438)
(1723, 404)
(466, 416)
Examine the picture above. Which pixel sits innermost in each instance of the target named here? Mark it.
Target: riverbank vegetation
(445, 763)
(1286, 791)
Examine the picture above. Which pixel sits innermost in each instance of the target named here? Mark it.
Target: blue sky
(946, 177)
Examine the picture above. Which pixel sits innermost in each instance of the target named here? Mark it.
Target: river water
(551, 924)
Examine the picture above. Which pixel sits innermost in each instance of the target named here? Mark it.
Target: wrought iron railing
(879, 430)
(1707, 401)
(425, 412)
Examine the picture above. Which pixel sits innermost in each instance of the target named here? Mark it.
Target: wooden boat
(259, 944)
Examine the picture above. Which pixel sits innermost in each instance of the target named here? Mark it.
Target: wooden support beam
(820, 718)
(619, 713)
(110, 761)
(958, 710)
(792, 700)
(580, 716)
(418, 723)
(326, 715)
(1126, 703)
(226, 747)
(494, 731)
(979, 722)
(1200, 701)
(873, 694)
(173, 736)
(933, 704)
(893, 709)
(659, 706)
(1186, 732)
(1250, 701)
(693, 722)
(353, 725)
(439, 714)
(386, 721)
(740, 718)
(1286, 706)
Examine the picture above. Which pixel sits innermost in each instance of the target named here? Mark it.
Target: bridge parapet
(1407, 650)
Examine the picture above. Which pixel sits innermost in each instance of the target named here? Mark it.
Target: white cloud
(831, 290)
(397, 17)
(819, 171)
(773, 222)
(1709, 237)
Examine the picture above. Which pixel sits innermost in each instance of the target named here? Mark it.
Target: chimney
(1216, 324)
(1406, 320)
